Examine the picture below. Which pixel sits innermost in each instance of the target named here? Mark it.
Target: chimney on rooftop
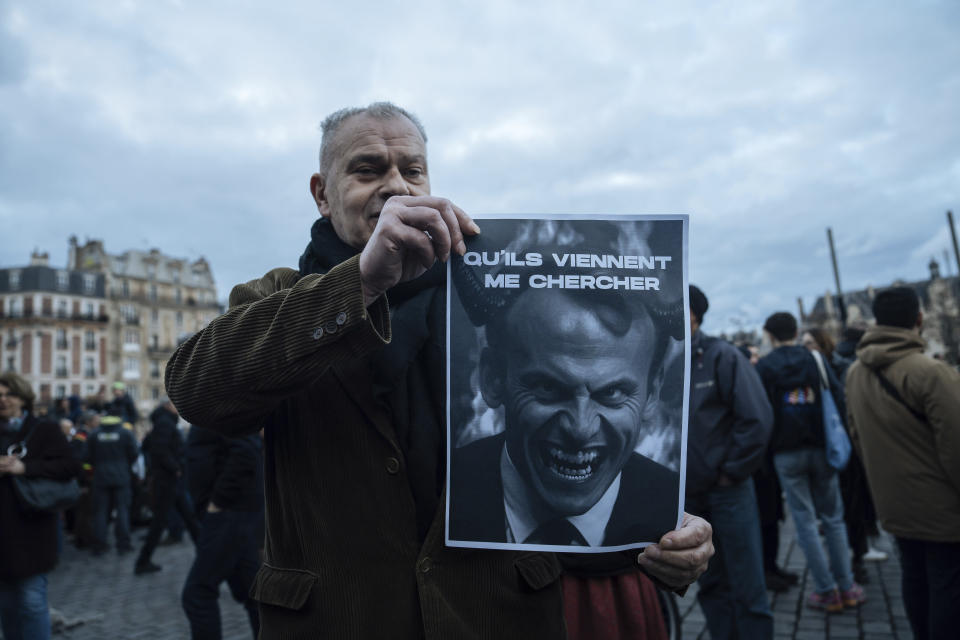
(38, 259)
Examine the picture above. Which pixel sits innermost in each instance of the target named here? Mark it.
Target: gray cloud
(194, 128)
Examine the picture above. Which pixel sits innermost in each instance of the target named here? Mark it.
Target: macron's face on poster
(573, 382)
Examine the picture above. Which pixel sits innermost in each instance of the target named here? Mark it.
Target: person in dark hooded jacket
(730, 422)
(792, 377)
(166, 452)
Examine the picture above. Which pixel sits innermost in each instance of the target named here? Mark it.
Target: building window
(63, 280)
(14, 279)
(89, 340)
(89, 311)
(89, 284)
(15, 307)
(91, 390)
(61, 391)
(154, 368)
(176, 276)
(131, 367)
(61, 366)
(179, 319)
(133, 391)
(61, 338)
(154, 316)
(62, 311)
(11, 363)
(178, 296)
(125, 288)
(129, 313)
(154, 341)
(89, 368)
(11, 339)
(155, 393)
(151, 271)
(131, 339)
(153, 292)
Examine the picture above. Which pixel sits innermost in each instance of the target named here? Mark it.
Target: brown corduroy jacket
(343, 558)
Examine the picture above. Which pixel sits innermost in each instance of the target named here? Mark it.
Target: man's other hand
(681, 556)
(412, 233)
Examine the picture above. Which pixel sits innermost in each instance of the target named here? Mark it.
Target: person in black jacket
(225, 476)
(111, 450)
(792, 379)
(32, 448)
(165, 451)
(730, 421)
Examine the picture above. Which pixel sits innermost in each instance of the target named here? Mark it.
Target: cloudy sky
(193, 126)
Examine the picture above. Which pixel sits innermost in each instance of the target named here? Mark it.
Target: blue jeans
(733, 593)
(24, 612)
(227, 551)
(102, 498)
(813, 490)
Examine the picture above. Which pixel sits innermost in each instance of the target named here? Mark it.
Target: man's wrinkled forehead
(366, 136)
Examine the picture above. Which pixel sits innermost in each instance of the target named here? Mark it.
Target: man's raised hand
(681, 556)
(412, 233)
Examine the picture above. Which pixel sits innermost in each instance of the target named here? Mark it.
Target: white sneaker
(875, 555)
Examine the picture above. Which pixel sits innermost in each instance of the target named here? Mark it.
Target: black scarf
(408, 374)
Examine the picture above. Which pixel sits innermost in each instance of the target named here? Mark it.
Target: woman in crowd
(858, 513)
(29, 447)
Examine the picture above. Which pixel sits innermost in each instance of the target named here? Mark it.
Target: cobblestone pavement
(881, 617)
(105, 601)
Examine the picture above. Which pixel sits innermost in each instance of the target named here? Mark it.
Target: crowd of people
(759, 439)
(204, 484)
(315, 486)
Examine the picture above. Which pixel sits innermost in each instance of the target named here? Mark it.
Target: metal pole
(953, 234)
(836, 278)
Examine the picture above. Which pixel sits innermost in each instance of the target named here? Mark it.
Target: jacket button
(341, 318)
(317, 333)
(393, 465)
(425, 565)
(331, 327)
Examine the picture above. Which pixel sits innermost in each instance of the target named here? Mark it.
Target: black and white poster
(567, 375)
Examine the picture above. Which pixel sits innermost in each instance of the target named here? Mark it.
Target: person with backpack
(792, 379)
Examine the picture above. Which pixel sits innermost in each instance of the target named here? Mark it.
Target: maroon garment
(28, 540)
(620, 607)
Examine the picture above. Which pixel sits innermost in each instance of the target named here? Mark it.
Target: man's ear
(654, 387)
(318, 185)
(492, 378)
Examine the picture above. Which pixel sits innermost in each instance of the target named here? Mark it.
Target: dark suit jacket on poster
(645, 509)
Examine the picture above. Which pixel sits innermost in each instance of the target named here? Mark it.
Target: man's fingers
(465, 222)
(417, 243)
(431, 221)
(693, 532)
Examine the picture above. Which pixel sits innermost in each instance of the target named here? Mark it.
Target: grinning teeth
(580, 457)
(573, 473)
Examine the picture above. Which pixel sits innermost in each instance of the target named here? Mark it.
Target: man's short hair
(897, 307)
(782, 326)
(20, 388)
(698, 303)
(379, 110)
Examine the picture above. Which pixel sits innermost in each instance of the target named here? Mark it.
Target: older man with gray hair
(342, 364)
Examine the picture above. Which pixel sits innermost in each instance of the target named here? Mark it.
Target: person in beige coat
(904, 417)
